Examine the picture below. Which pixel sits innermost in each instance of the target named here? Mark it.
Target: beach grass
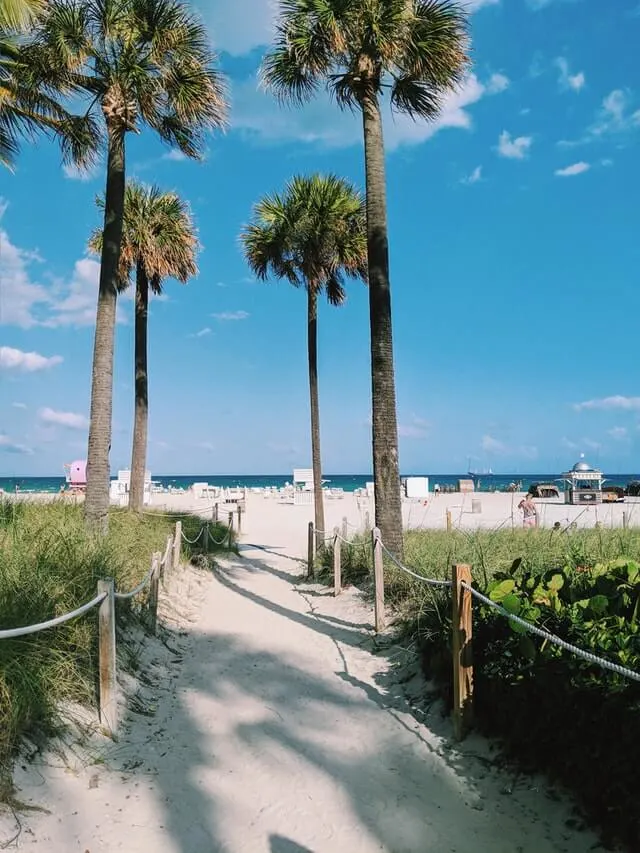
(48, 567)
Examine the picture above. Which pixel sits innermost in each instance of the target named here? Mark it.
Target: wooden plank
(154, 588)
(177, 544)
(108, 698)
(310, 550)
(462, 625)
(378, 580)
(337, 562)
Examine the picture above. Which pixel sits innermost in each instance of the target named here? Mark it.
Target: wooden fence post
(230, 529)
(153, 592)
(462, 620)
(168, 566)
(108, 700)
(625, 520)
(378, 579)
(337, 562)
(205, 537)
(215, 513)
(239, 519)
(367, 521)
(449, 523)
(177, 545)
(345, 528)
(310, 549)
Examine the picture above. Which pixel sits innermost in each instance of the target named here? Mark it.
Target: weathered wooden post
(168, 567)
(214, 514)
(378, 579)
(239, 519)
(337, 562)
(177, 544)
(107, 656)
(367, 521)
(153, 592)
(345, 528)
(449, 523)
(462, 623)
(625, 520)
(230, 530)
(310, 549)
(205, 537)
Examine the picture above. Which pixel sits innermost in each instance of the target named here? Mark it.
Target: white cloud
(474, 177)
(231, 315)
(20, 298)
(65, 419)
(618, 433)
(492, 445)
(257, 114)
(497, 83)
(74, 173)
(574, 169)
(616, 401)
(568, 81)
(19, 405)
(202, 333)
(606, 161)
(514, 149)
(27, 362)
(175, 155)
(75, 305)
(615, 115)
(416, 428)
(9, 446)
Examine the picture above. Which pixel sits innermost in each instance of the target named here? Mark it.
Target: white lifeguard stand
(119, 488)
(303, 486)
(583, 484)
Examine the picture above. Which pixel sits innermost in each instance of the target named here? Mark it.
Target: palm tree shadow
(280, 844)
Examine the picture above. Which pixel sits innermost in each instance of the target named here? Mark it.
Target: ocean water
(348, 482)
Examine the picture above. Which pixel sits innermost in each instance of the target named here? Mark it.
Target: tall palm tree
(415, 52)
(26, 109)
(159, 241)
(19, 14)
(135, 62)
(313, 235)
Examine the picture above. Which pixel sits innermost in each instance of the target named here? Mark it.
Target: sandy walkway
(270, 728)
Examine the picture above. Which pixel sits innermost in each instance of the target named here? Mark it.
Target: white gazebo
(583, 484)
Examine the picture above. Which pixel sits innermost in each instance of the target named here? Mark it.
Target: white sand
(273, 729)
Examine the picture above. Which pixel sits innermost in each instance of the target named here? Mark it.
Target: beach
(268, 718)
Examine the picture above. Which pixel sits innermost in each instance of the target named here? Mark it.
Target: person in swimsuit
(529, 512)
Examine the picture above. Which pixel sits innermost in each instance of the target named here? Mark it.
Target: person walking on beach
(529, 512)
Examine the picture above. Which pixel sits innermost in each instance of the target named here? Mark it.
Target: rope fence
(162, 565)
(462, 594)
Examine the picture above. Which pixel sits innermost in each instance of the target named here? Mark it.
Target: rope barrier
(11, 633)
(222, 541)
(193, 541)
(429, 581)
(552, 638)
(124, 596)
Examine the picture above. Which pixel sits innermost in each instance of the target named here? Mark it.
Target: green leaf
(599, 604)
(527, 647)
(512, 604)
(556, 582)
(502, 589)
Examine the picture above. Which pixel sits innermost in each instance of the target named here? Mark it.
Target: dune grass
(48, 567)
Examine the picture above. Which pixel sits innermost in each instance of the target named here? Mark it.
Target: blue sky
(514, 258)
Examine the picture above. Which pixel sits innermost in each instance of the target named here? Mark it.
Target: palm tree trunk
(141, 402)
(96, 506)
(386, 472)
(316, 463)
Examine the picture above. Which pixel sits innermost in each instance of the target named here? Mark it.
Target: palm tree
(313, 235)
(135, 62)
(415, 51)
(26, 109)
(19, 14)
(158, 241)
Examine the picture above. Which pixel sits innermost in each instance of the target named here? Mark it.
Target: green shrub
(49, 566)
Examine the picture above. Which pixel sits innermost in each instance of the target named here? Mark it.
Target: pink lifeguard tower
(76, 475)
